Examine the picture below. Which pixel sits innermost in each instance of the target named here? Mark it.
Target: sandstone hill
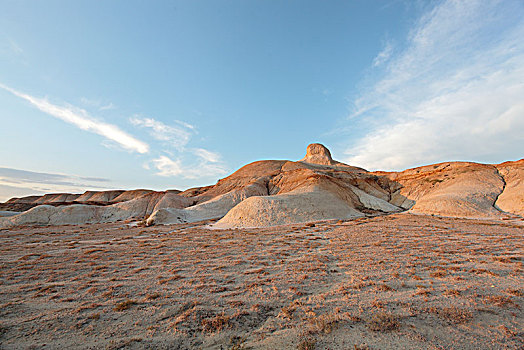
(276, 192)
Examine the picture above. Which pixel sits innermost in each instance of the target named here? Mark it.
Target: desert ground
(398, 281)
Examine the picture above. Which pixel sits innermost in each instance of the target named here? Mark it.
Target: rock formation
(449, 189)
(511, 198)
(277, 192)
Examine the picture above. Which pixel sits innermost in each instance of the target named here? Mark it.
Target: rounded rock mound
(317, 153)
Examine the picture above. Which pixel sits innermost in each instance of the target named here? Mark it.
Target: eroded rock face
(511, 200)
(460, 189)
(276, 192)
(293, 207)
(317, 153)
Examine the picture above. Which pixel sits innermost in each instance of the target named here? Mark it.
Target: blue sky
(175, 94)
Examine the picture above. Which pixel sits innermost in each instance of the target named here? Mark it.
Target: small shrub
(501, 259)
(454, 292)
(481, 271)
(323, 324)
(307, 343)
(94, 316)
(124, 305)
(515, 292)
(287, 311)
(498, 300)
(215, 324)
(361, 347)
(438, 274)
(384, 322)
(453, 315)
(153, 296)
(422, 291)
(236, 343)
(384, 288)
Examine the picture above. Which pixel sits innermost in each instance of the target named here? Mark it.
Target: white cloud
(80, 118)
(107, 107)
(186, 125)
(101, 106)
(206, 155)
(189, 163)
(206, 164)
(176, 136)
(167, 166)
(454, 91)
(185, 162)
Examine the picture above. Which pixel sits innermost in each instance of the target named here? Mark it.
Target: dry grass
(124, 305)
(307, 343)
(384, 322)
(515, 292)
(322, 324)
(438, 274)
(453, 315)
(95, 316)
(395, 281)
(215, 324)
(499, 300)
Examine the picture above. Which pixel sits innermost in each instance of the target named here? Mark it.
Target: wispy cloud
(454, 90)
(177, 136)
(16, 182)
(383, 55)
(98, 104)
(180, 160)
(177, 160)
(206, 155)
(107, 107)
(205, 164)
(81, 119)
(167, 167)
(24, 176)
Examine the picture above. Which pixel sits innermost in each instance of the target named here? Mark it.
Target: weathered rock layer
(276, 192)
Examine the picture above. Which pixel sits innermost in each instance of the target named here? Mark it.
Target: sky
(99, 95)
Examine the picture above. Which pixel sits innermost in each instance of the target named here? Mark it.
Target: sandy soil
(399, 281)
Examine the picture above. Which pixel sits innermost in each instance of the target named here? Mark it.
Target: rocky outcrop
(277, 192)
(511, 199)
(318, 154)
(214, 208)
(300, 205)
(459, 189)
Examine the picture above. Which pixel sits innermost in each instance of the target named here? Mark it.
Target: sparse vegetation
(453, 314)
(498, 300)
(264, 286)
(95, 316)
(361, 347)
(438, 274)
(124, 305)
(384, 322)
(153, 296)
(215, 324)
(322, 324)
(515, 292)
(307, 343)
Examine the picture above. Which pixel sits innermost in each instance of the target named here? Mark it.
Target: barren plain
(398, 281)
